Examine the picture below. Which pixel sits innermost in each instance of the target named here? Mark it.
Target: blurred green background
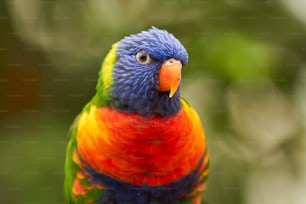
(246, 77)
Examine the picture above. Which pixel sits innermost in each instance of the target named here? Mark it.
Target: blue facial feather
(135, 87)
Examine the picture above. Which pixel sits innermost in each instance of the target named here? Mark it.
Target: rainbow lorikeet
(137, 141)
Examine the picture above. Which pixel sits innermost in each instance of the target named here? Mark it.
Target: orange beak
(169, 76)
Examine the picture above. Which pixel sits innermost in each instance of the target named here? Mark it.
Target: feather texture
(132, 144)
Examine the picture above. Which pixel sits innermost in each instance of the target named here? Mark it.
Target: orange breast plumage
(141, 150)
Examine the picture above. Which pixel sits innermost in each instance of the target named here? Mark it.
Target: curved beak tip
(172, 92)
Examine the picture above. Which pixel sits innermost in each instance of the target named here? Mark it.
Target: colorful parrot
(137, 141)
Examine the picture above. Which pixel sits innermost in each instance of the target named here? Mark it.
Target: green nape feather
(105, 81)
(105, 78)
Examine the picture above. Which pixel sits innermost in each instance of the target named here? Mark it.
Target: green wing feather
(70, 167)
(71, 170)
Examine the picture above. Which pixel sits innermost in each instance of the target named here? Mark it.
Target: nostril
(171, 62)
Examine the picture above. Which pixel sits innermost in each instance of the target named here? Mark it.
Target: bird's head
(142, 74)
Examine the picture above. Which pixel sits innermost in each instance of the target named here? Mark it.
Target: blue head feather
(135, 87)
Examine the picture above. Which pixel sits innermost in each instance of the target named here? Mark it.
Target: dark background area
(246, 77)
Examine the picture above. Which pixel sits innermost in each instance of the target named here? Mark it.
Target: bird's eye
(143, 57)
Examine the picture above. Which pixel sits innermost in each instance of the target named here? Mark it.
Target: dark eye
(143, 57)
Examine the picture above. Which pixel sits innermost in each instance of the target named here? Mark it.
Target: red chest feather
(139, 150)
